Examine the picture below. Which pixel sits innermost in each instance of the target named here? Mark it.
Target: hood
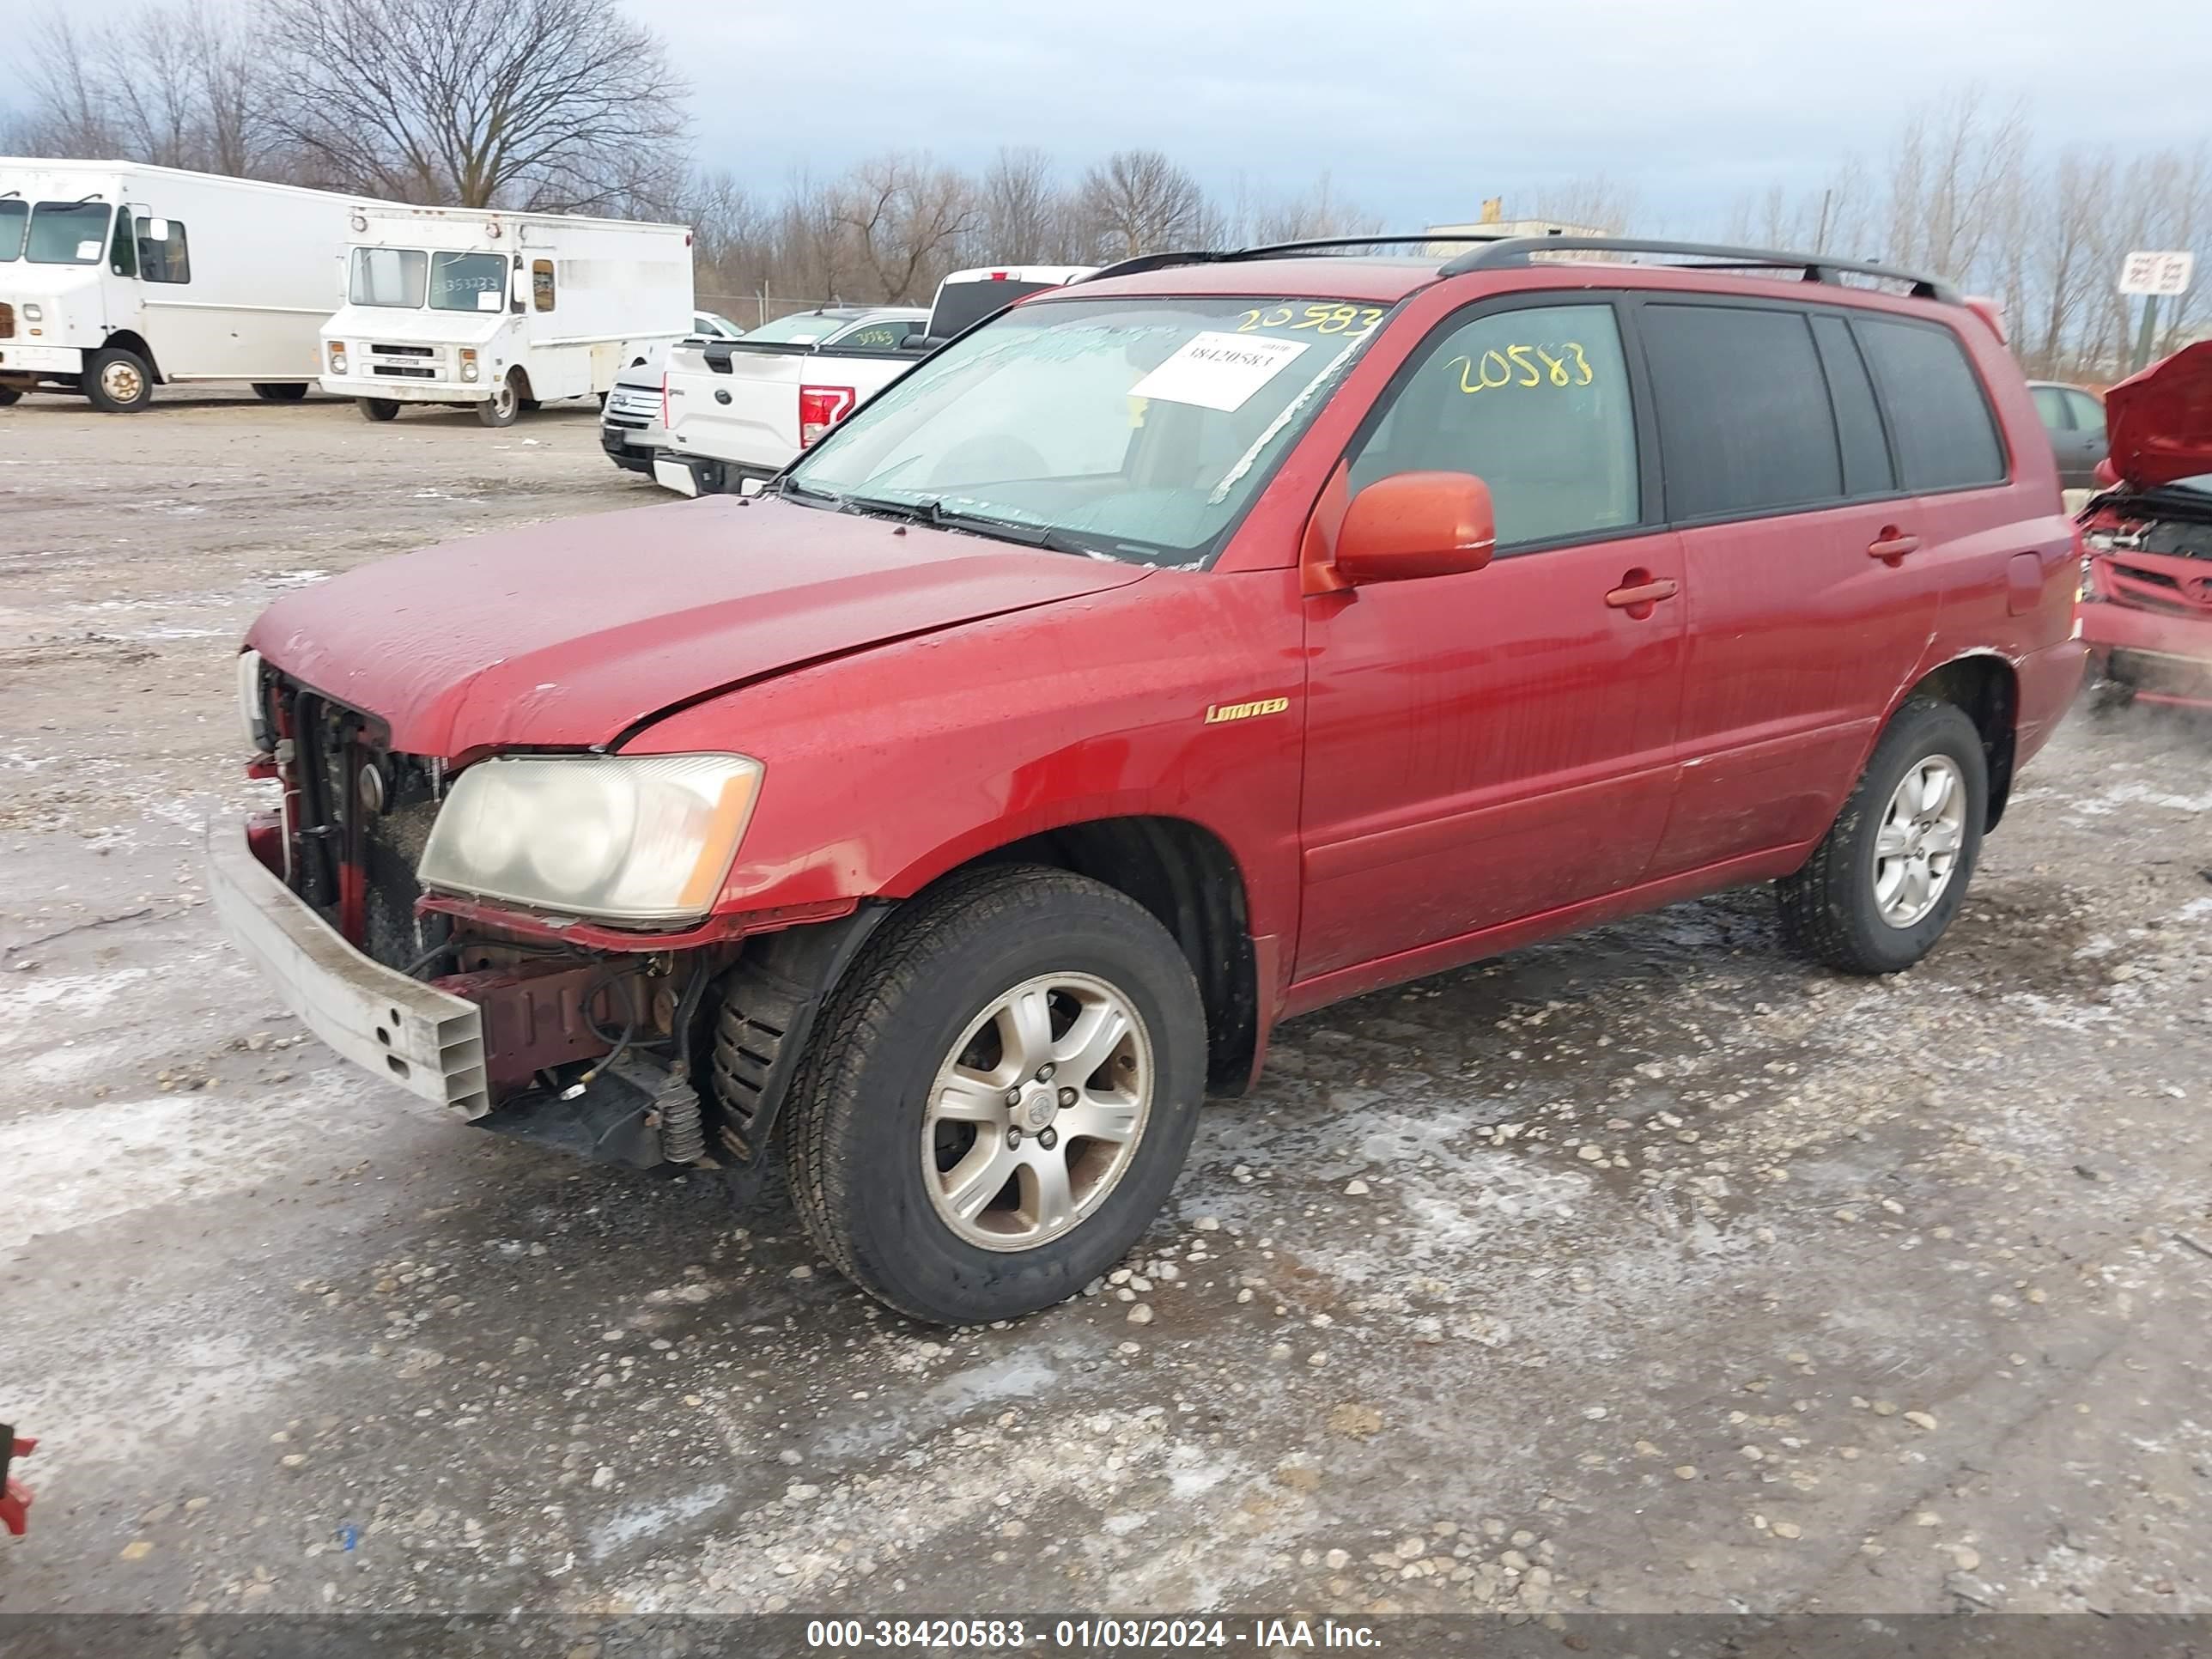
(418, 326)
(2158, 424)
(566, 634)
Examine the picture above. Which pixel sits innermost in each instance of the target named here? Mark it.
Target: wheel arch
(130, 340)
(1986, 687)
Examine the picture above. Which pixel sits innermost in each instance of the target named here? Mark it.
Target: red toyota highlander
(1183, 650)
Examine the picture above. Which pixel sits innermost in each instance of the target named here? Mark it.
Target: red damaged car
(2146, 589)
(1184, 649)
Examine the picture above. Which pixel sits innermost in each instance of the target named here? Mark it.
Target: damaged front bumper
(430, 1042)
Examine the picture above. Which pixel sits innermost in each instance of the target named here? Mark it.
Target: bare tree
(905, 215)
(1022, 212)
(1316, 213)
(559, 105)
(1595, 200)
(1138, 201)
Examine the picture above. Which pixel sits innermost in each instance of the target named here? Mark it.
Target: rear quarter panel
(887, 769)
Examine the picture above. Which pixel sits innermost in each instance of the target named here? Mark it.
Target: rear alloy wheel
(280, 392)
(998, 1098)
(1885, 882)
(378, 409)
(118, 382)
(504, 404)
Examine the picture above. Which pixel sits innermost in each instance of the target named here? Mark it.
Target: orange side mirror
(1417, 524)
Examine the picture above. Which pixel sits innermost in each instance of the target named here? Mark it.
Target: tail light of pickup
(820, 408)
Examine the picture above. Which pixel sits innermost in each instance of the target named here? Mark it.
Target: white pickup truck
(739, 411)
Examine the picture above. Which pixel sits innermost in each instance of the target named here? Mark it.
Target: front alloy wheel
(997, 1097)
(1036, 1114)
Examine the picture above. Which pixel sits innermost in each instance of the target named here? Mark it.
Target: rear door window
(1536, 402)
(2088, 413)
(1745, 424)
(1867, 467)
(1946, 437)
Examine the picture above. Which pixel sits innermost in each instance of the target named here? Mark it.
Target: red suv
(1184, 649)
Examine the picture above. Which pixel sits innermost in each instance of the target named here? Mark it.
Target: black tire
(280, 392)
(529, 405)
(117, 382)
(378, 409)
(853, 1121)
(9, 394)
(505, 403)
(1829, 910)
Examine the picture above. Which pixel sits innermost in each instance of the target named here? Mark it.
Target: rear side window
(2050, 407)
(163, 254)
(1945, 438)
(2088, 413)
(1744, 422)
(1534, 401)
(1867, 469)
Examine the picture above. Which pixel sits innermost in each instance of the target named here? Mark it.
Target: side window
(2050, 405)
(2088, 413)
(163, 254)
(1744, 420)
(541, 284)
(122, 247)
(1945, 438)
(1867, 469)
(1534, 401)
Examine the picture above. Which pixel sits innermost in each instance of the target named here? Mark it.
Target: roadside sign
(2156, 274)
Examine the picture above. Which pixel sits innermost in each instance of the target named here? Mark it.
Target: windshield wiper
(932, 511)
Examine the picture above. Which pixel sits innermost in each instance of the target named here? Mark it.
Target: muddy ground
(1649, 1270)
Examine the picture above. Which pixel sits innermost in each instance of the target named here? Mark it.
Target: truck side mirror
(517, 289)
(1417, 524)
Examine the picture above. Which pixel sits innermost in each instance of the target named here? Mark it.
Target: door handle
(1892, 544)
(1643, 591)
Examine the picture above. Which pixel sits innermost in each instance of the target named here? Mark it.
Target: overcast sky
(1419, 108)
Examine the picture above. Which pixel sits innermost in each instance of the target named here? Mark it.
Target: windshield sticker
(1218, 371)
(487, 300)
(1328, 318)
(1523, 365)
(87, 250)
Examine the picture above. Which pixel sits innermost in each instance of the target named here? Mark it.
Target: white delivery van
(502, 310)
(116, 278)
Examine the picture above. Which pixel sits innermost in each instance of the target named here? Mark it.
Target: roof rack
(1144, 262)
(1498, 254)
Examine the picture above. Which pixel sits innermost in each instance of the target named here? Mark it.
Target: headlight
(35, 314)
(337, 357)
(252, 708)
(629, 838)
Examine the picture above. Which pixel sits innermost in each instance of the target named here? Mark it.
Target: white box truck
(116, 278)
(503, 311)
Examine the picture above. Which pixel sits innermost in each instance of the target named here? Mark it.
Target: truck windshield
(1134, 429)
(68, 233)
(468, 282)
(389, 277)
(15, 214)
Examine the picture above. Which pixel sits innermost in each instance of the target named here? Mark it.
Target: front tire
(279, 392)
(378, 409)
(1886, 881)
(998, 1098)
(118, 382)
(505, 403)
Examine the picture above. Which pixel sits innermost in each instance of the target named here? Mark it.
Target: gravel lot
(1646, 1271)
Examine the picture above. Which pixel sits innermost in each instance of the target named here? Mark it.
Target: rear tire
(505, 401)
(875, 1149)
(377, 409)
(279, 392)
(118, 382)
(1885, 882)
(9, 394)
